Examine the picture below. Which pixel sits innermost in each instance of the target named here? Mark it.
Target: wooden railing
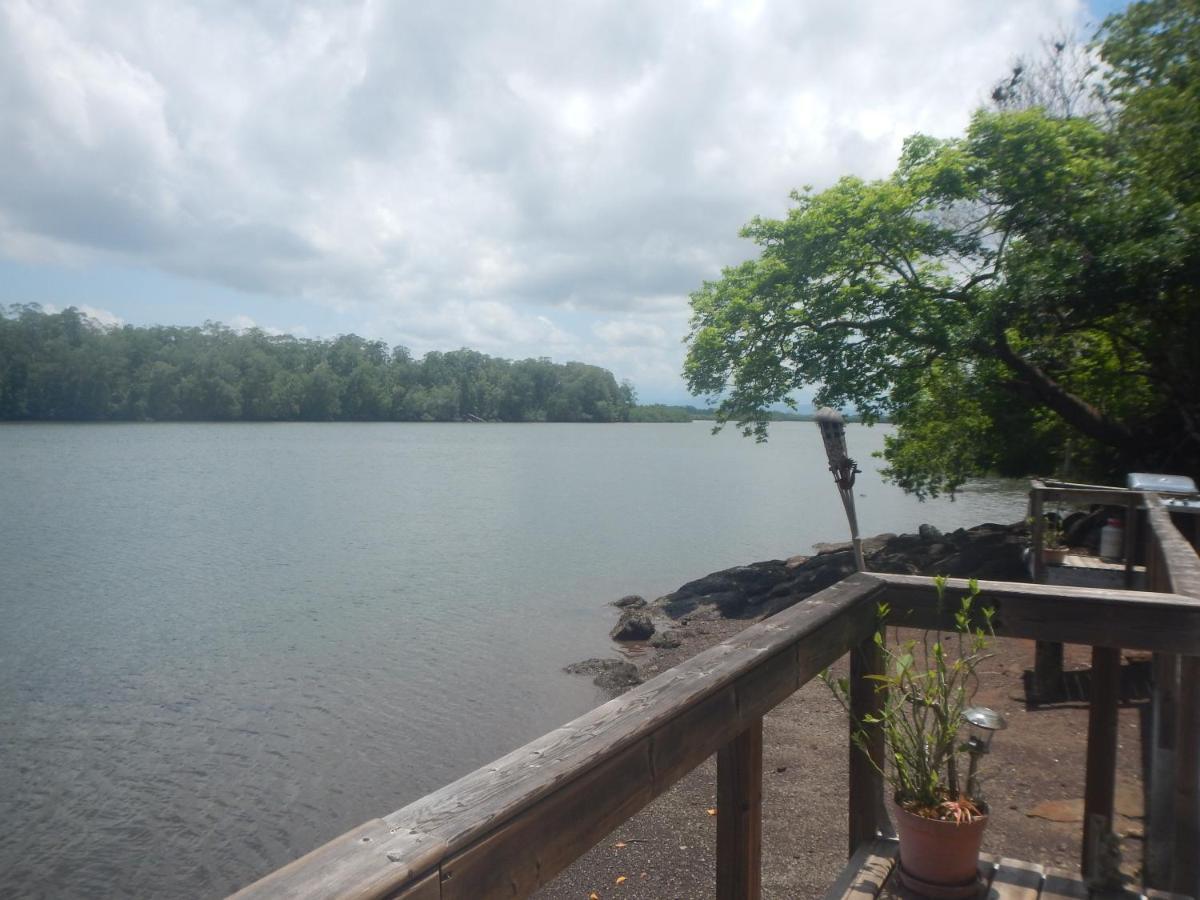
(1172, 858)
(508, 828)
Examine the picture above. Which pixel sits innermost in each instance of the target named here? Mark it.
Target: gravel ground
(667, 850)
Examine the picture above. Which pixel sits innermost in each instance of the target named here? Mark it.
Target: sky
(525, 179)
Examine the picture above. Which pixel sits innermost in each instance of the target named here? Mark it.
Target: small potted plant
(927, 688)
(1054, 547)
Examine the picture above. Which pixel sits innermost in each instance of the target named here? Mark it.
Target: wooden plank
(333, 870)
(1186, 875)
(1131, 543)
(1088, 496)
(1062, 885)
(1100, 777)
(869, 868)
(427, 888)
(1160, 810)
(1181, 564)
(1038, 536)
(866, 801)
(527, 852)
(1016, 880)
(739, 816)
(495, 805)
(1135, 620)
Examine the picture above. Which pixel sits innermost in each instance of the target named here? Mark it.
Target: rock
(615, 675)
(630, 601)
(634, 625)
(987, 551)
(665, 640)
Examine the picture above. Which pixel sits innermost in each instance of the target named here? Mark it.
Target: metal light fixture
(833, 433)
(984, 724)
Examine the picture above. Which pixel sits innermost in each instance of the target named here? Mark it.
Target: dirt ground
(1034, 786)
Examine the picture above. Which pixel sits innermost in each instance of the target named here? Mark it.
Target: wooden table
(870, 874)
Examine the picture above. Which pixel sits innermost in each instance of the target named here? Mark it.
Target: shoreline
(1034, 777)
(652, 636)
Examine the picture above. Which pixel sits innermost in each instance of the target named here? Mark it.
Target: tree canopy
(65, 366)
(1015, 297)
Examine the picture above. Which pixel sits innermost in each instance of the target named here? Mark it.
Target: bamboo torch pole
(833, 433)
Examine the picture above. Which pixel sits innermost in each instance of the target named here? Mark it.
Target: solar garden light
(833, 433)
(984, 723)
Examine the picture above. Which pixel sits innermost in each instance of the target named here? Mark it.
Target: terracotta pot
(937, 858)
(1054, 556)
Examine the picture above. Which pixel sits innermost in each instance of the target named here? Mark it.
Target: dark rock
(677, 607)
(634, 625)
(665, 640)
(929, 533)
(987, 551)
(614, 675)
(631, 601)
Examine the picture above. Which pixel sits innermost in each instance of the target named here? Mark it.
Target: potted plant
(1054, 547)
(927, 687)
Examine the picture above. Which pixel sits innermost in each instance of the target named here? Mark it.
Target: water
(222, 645)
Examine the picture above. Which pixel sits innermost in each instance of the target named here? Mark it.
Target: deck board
(870, 874)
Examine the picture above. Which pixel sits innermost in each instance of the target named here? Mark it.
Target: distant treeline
(65, 366)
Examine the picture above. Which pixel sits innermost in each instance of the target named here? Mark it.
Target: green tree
(1022, 293)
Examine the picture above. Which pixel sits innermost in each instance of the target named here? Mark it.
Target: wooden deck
(871, 873)
(505, 830)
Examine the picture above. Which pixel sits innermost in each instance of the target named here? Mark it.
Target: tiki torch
(833, 433)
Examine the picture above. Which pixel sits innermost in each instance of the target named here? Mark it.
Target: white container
(1112, 539)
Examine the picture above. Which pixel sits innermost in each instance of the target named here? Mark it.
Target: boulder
(630, 601)
(634, 625)
(665, 640)
(615, 675)
(987, 551)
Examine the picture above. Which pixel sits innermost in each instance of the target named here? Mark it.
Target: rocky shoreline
(652, 630)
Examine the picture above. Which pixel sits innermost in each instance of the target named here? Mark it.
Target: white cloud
(104, 317)
(500, 175)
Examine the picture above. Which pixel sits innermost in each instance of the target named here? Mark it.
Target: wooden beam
(1181, 565)
(1089, 496)
(739, 816)
(1037, 537)
(1186, 877)
(1101, 776)
(868, 870)
(1135, 620)
(515, 823)
(1160, 793)
(1178, 569)
(868, 817)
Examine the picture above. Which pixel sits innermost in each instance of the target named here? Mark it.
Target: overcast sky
(527, 179)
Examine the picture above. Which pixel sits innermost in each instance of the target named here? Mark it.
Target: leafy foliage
(64, 366)
(926, 686)
(1020, 295)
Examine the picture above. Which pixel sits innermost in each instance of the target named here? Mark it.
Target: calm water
(221, 645)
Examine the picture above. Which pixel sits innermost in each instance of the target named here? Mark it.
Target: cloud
(492, 174)
(104, 317)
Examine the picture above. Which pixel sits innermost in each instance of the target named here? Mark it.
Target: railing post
(1160, 792)
(867, 814)
(1047, 655)
(739, 816)
(1100, 783)
(1187, 781)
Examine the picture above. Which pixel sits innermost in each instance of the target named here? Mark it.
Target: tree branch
(1073, 409)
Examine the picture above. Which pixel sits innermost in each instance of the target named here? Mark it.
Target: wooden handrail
(509, 827)
(1173, 812)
